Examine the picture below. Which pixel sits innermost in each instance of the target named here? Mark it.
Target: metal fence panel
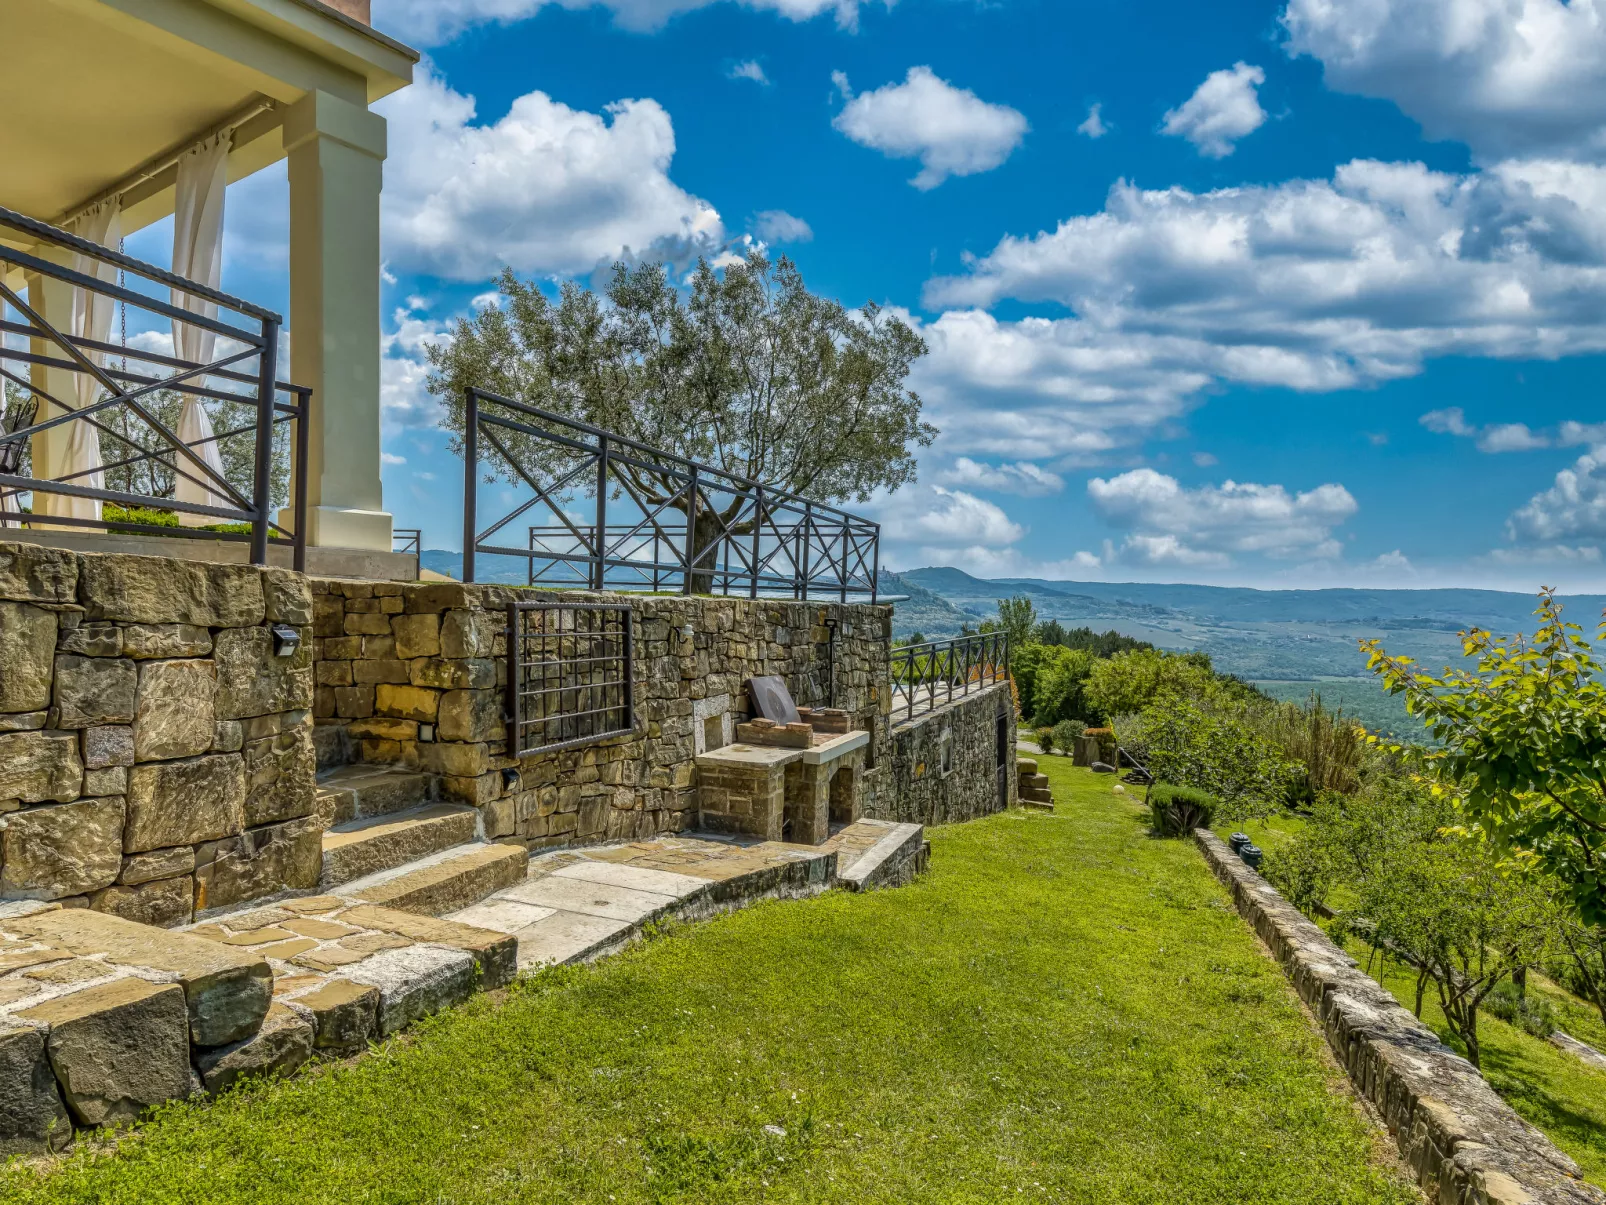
(928, 676)
(127, 382)
(570, 680)
(658, 521)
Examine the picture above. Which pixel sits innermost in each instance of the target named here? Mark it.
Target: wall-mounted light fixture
(286, 640)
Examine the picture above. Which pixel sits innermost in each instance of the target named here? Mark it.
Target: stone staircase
(389, 839)
(1032, 787)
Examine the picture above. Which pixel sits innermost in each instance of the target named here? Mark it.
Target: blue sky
(1316, 299)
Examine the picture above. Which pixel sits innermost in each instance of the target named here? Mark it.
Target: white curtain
(91, 319)
(8, 502)
(198, 255)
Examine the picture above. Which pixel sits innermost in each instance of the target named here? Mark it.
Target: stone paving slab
(878, 853)
(589, 899)
(579, 904)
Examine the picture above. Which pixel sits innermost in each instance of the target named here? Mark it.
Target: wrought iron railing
(928, 676)
(570, 680)
(657, 521)
(408, 540)
(124, 391)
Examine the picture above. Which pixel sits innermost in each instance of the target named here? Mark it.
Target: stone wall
(944, 764)
(415, 673)
(1465, 1145)
(155, 753)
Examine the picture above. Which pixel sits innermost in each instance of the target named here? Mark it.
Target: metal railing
(129, 395)
(408, 540)
(570, 680)
(658, 521)
(928, 676)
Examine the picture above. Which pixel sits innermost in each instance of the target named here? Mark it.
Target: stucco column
(336, 151)
(53, 299)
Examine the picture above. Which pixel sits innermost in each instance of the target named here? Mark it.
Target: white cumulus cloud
(1222, 110)
(1168, 522)
(778, 226)
(547, 189)
(952, 131)
(1573, 508)
(927, 524)
(752, 69)
(1507, 77)
(1312, 285)
(1023, 478)
(1094, 125)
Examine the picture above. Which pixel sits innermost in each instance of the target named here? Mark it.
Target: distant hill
(1286, 635)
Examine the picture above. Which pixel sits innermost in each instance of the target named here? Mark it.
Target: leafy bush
(1532, 1014)
(1058, 692)
(1175, 811)
(1129, 682)
(1045, 739)
(1066, 732)
(150, 516)
(1214, 748)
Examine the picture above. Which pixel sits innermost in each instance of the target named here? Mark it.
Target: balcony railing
(656, 521)
(130, 395)
(407, 540)
(932, 675)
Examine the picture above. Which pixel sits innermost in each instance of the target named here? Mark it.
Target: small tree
(1017, 618)
(1523, 746)
(749, 371)
(1059, 685)
(1408, 879)
(1128, 682)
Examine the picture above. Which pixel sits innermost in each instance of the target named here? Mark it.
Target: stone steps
(359, 848)
(446, 881)
(355, 792)
(1031, 786)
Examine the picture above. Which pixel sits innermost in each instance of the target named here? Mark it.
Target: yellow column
(336, 151)
(53, 299)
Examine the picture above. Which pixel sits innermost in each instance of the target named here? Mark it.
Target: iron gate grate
(569, 680)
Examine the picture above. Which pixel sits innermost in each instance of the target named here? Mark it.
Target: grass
(1064, 1009)
(1551, 1089)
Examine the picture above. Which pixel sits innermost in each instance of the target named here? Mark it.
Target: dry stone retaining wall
(964, 737)
(415, 673)
(1465, 1144)
(156, 755)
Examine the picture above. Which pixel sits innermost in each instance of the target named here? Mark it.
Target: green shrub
(1045, 739)
(1214, 747)
(1531, 1013)
(150, 516)
(1066, 732)
(1058, 685)
(1176, 811)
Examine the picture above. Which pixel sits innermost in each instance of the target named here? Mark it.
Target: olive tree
(744, 369)
(1522, 746)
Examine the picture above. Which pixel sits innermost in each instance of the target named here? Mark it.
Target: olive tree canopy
(746, 370)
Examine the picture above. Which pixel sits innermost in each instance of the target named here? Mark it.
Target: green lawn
(1064, 1009)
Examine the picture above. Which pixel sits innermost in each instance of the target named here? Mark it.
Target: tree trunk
(1421, 988)
(707, 559)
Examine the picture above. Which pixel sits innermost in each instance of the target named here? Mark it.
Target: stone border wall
(917, 790)
(156, 753)
(1465, 1145)
(415, 674)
